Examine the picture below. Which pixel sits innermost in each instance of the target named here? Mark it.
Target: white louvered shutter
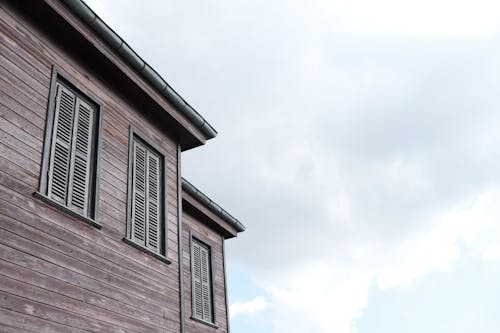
(80, 166)
(205, 284)
(153, 202)
(61, 145)
(139, 194)
(197, 284)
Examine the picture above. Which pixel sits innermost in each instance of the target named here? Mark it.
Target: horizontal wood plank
(76, 307)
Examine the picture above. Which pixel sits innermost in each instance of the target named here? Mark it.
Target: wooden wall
(58, 274)
(192, 227)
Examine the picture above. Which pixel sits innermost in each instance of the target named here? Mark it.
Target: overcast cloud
(359, 142)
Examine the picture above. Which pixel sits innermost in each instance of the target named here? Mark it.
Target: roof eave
(88, 16)
(212, 206)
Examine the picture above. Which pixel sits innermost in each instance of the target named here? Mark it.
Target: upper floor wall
(58, 272)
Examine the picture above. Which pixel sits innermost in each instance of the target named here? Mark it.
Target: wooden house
(99, 232)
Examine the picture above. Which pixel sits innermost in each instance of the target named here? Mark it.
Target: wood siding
(194, 228)
(58, 274)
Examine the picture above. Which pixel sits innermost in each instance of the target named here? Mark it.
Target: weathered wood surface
(58, 274)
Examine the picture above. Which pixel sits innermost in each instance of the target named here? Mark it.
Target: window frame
(59, 76)
(145, 140)
(195, 239)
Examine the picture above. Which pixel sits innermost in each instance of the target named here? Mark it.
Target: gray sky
(359, 143)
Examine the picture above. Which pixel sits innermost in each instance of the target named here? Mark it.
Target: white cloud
(319, 298)
(424, 18)
(481, 225)
(248, 308)
(328, 296)
(475, 227)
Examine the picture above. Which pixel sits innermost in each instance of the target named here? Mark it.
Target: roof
(89, 17)
(212, 206)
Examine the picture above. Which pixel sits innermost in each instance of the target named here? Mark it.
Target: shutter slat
(197, 285)
(153, 187)
(205, 280)
(80, 176)
(139, 194)
(61, 149)
(206, 302)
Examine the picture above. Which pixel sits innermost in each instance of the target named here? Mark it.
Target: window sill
(204, 322)
(66, 210)
(147, 251)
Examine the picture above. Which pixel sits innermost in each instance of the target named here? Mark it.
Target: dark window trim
(204, 322)
(193, 237)
(133, 132)
(58, 74)
(66, 210)
(147, 251)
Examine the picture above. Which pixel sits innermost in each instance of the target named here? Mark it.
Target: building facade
(99, 231)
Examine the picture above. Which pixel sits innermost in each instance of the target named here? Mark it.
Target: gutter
(212, 206)
(88, 16)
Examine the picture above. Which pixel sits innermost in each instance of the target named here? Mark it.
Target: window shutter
(153, 195)
(197, 283)
(80, 166)
(61, 144)
(205, 284)
(72, 156)
(139, 194)
(202, 297)
(146, 197)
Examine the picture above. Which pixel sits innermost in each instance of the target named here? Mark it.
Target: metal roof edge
(214, 207)
(87, 15)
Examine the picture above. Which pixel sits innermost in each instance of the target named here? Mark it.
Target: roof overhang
(75, 23)
(209, 212)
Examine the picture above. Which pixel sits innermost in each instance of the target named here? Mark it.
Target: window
(201, 281)
(146, 226)
(69, 169)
